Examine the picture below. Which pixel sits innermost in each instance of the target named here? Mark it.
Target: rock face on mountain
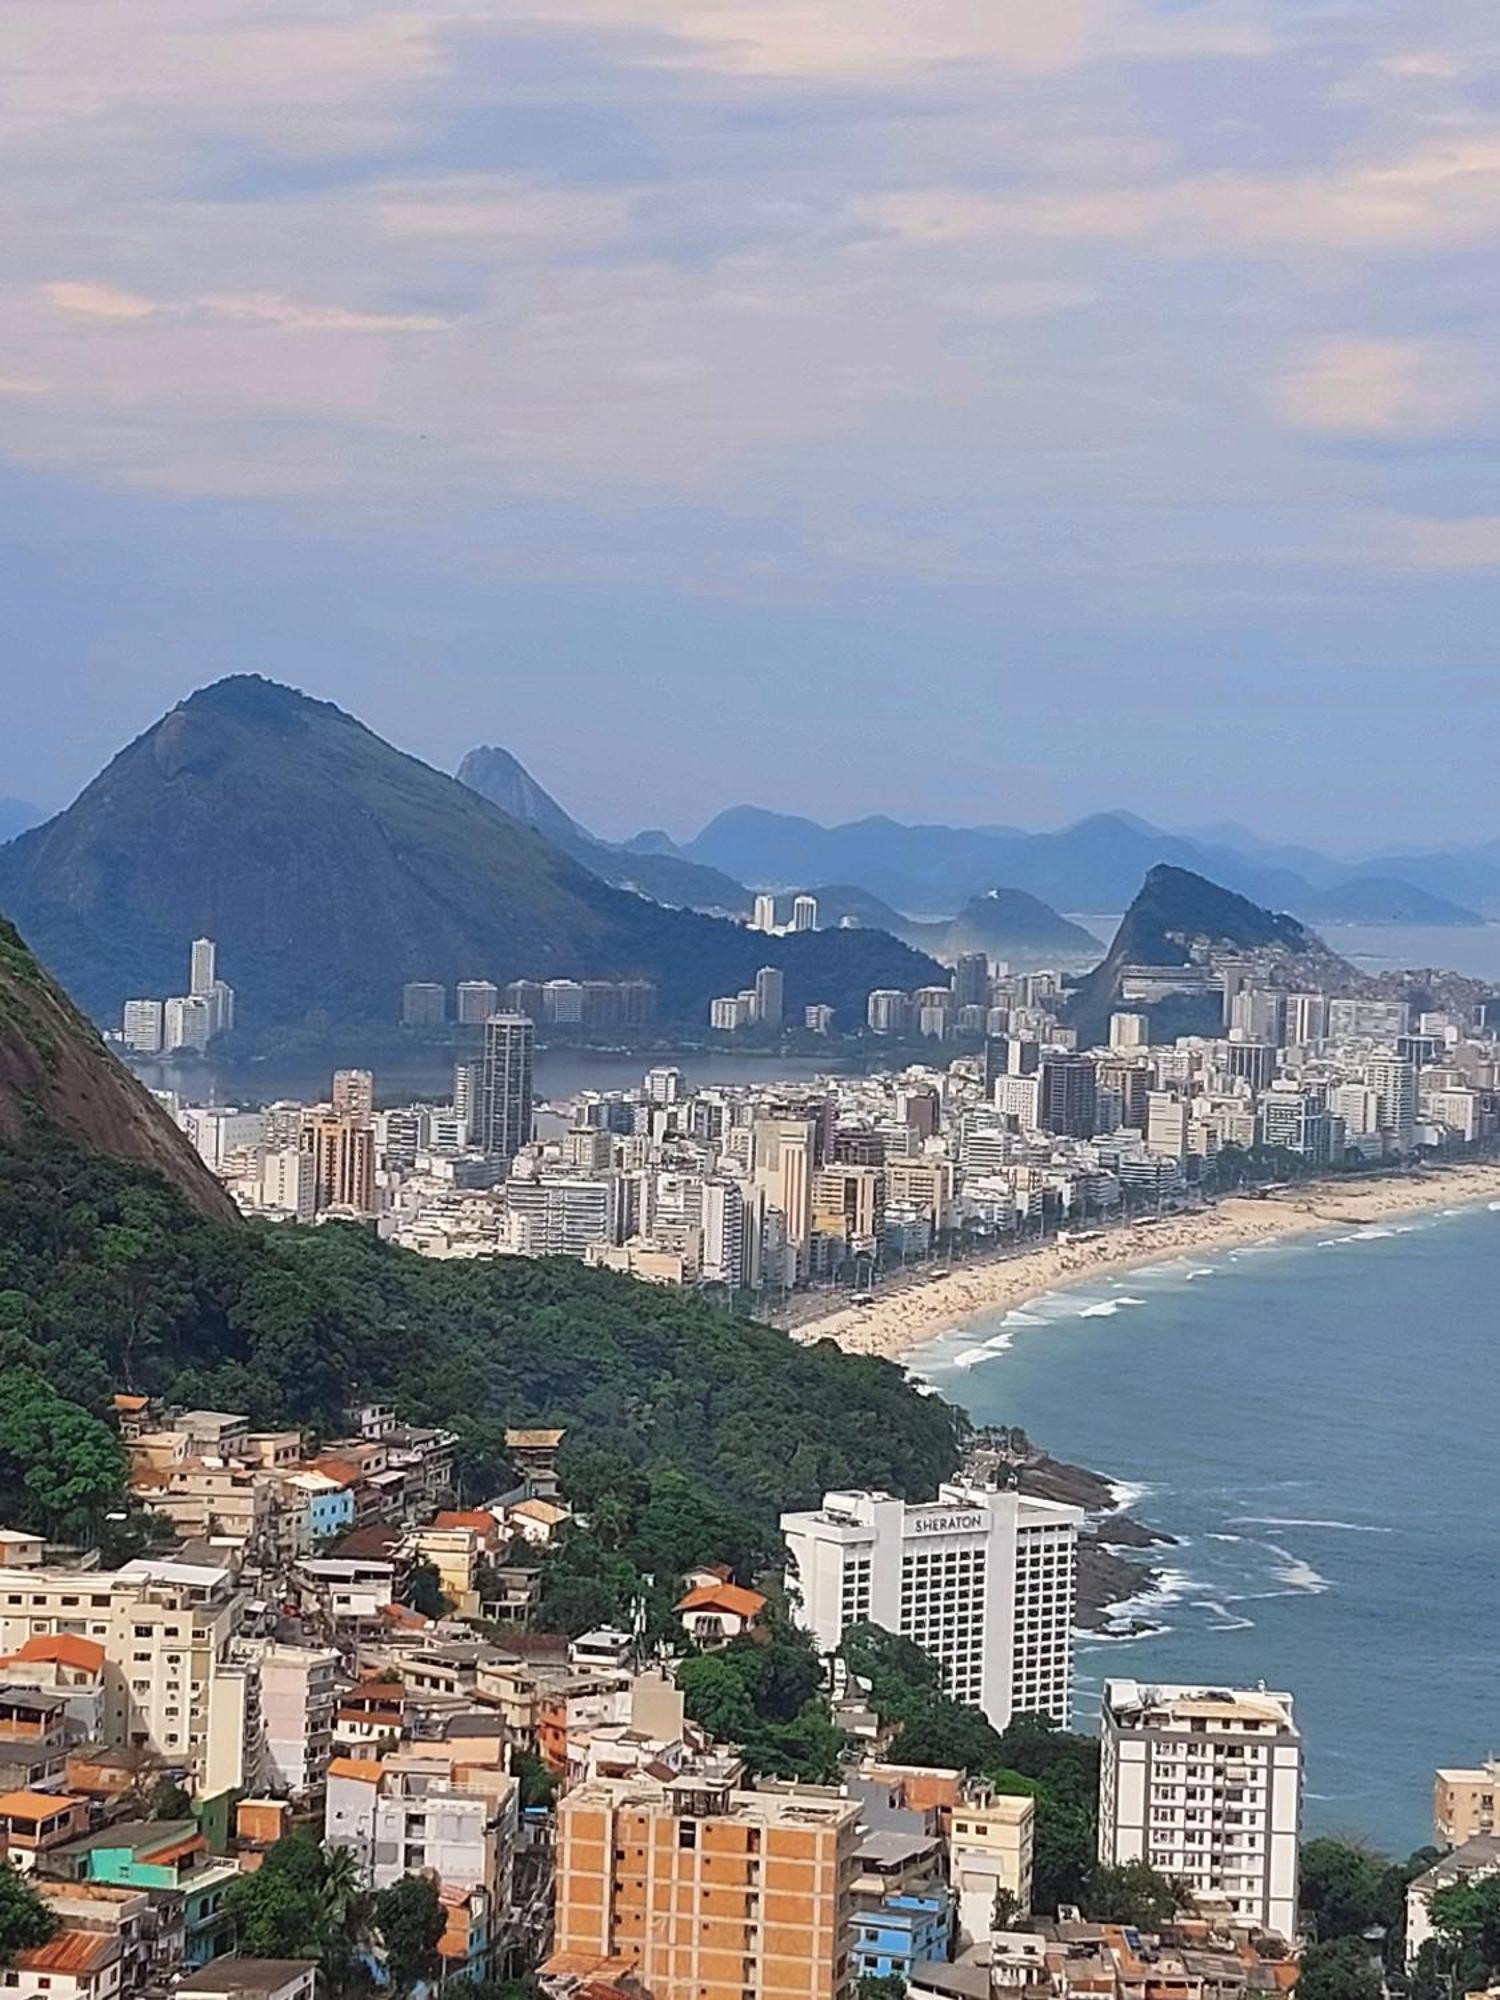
(663, 875)
(56, 1076)
(1178, 920)
(331, 868)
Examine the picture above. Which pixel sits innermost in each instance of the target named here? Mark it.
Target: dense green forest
(700, 1423)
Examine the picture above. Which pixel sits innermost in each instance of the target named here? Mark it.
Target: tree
(538, 1785)
(1007, 1912)
(169, 1801)
(423, 1589)
(60, 1468)
(1342, 1888)
(1134, 1894)
(278, 1911)
(1344, 1969)
(880, 1986)
(409, 1918)
(25, 1920)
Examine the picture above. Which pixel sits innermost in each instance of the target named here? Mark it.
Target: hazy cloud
(1104, 326)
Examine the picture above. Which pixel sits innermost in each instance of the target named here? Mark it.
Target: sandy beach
(914, 1313)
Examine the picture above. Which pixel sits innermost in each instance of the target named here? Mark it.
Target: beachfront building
(1463, 1803)
(982, 1579)
(1205, 1785)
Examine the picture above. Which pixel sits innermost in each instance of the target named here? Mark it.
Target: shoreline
(896, 1326)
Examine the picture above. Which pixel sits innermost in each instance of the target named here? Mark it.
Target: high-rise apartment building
(1066, 1095)
(770, 996)
(343, 1155)
(353, 1093)
(201, 967)
(710, 1891)
(887, 1011)
(1129, 1031)
(982, 1579)
(424, 1004)
(187, 1022)
(1205, 1785)
(785, 1160)
(1394, 1082)
(503, 1124)
(142, 1026)
(477, 1000)
(804, 913)
(971, 979)
(765, 914)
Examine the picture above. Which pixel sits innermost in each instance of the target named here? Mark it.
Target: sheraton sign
(945, 1521)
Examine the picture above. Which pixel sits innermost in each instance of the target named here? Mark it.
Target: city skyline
(1028, 387)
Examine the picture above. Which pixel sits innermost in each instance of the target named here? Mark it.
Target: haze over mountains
(1095, 865)
(909, 874)
(331, 868)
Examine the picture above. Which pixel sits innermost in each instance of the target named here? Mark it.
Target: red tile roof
(733, 1597)
(87, 1655)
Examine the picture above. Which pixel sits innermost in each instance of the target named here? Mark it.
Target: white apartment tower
(765, 914)
(142, 1026)
(201, 968)
(1205, 1784)
(804, 913)
(982, 1579)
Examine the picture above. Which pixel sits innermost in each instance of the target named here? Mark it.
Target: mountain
(331, 868)
(1008, 924)
(658, 872)
(505, 781)
(1175, 921)
(1470, 879)
(58, 1079)
(932, 871)
(16, 815)
(1377, 899)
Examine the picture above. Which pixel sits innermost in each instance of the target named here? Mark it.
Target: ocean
(1291, 1414)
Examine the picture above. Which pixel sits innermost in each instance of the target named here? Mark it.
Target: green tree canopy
(25, 1920)
(410, 1921)
(1342, 1969)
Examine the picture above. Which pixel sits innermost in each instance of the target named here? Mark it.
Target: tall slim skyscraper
(505, 1085)
(353, 1093)
(201, 973)
(804, 913)
(765, 914)
(770, 996)
(971, 979)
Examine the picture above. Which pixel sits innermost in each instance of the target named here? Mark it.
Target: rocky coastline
(1110, 1571)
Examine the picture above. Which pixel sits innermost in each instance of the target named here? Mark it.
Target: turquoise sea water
(1314, 1420)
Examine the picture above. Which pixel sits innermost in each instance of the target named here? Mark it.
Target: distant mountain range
(1094, 865)
(331, 868)
(666, 878)
(1006, 923)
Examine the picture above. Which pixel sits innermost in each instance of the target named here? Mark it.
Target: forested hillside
(109, 1278)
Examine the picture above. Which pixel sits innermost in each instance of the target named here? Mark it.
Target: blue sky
(973, 409)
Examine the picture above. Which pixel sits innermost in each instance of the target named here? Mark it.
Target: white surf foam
(1225, 1620)
(1296, 1573)
(1301, 1521)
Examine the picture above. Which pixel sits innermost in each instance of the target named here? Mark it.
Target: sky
(976, 410)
